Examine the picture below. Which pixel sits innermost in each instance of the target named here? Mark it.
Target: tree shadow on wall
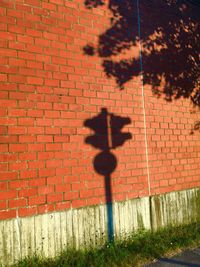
(169, 33)
(107, 136)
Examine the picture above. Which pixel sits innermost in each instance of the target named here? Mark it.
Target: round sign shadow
(105, 163)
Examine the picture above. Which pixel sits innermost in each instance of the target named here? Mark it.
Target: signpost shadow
(107, 136)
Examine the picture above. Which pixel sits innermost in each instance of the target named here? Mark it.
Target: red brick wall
(49, 87)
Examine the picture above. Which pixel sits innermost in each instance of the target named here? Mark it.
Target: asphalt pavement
(189, 258)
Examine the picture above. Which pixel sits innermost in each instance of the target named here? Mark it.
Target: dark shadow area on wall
(169, 34)
(107, 136)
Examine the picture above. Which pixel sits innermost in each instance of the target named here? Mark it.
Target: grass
(136, 250)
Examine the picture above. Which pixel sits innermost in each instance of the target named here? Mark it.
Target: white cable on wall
(143, 100)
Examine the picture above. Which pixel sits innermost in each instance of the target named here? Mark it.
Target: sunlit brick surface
(49, 87)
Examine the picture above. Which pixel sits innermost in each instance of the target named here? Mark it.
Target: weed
(136, 250)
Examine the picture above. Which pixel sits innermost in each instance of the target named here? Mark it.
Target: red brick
(53, 163)
(18, 166)
(62, 205)
(54, 130)
(60, 122)
(44, 190)
(47, 172)
(45, 208)
(94, 201)
(26, 121)
(34, 65)
(26, 55)
(53, 147)
(35, 130)
(8, 194)
(4, 166)
(27, 88)
(16, 45)
(37, 182)
(45, 155)
(8, 139)
(71, 195)
(3, 205)
(7, 214)
(17, 130)
(17, 113)
(8, 52)
(33, 18)
(27, 139)
(3, 130)
(28, 192)
(17, 148)
(34, 48)
(35, 147)
(42, 42)
(3, 148)
(3, 78)
(27, 156)
(3, 111)
(35, 113)
(18, 184)
(51, 82)
(63, 171)
(78, 203)
(3, 186)
(15, 203)
(54, 198)
(54, 180)
(17, 78)
(44, 105)
(44, 138)
(30, 211)
(28, 174)
(8, 175)
(49, 6)
(50, 36)
(63, 188)
(32, 32)
(62, 139)
(52, 114)
(35, 80)
(27, 72)
(8, 103)
(37, 200)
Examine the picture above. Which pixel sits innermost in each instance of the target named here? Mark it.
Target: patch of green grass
(139, 248)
